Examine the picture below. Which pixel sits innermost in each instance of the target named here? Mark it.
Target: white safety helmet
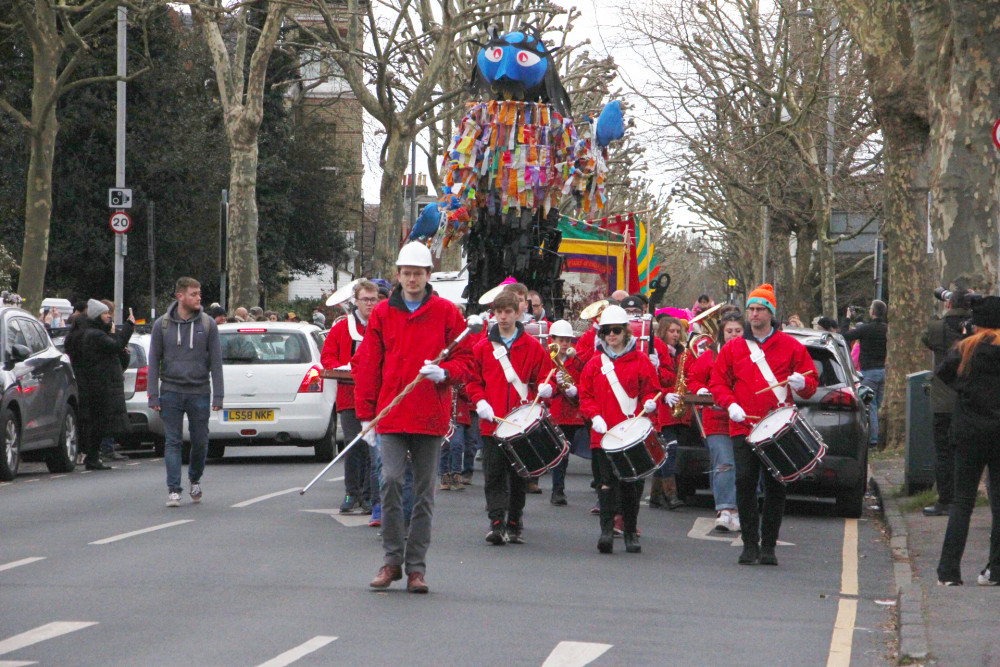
(414, 254)
(562, 328)
(614, 315)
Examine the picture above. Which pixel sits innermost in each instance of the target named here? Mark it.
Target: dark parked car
(39, 397)
(838, 410)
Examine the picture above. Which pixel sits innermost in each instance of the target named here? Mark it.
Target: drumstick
(505, 421)
(545, 381)
(783, 382)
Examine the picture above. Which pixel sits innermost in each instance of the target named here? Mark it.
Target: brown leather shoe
(415, 582)
(386, 575)
(533, 487)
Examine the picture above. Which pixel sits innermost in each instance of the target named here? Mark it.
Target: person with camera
(871, 337)
(972, 369)
(939, 337)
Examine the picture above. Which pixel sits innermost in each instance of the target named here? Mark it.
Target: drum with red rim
(634, 448)
(787, 444)
(532, 442)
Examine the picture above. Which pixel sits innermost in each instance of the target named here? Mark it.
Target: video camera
(964, 299)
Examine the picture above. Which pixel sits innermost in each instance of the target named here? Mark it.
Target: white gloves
(474, 321)
(484, 411)
(703, 392)
(561, 378)
(432, 372)
(571, 392)
(655, 358)
(545, 390)
(649, 406)
(598, 424)
(736, 413)
(672, 399)
(797, 381)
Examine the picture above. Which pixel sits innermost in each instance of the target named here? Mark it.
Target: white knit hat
(95, 308)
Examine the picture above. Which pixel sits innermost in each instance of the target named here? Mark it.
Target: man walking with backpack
(185, 377)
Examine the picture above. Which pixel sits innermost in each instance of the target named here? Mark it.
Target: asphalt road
(284, 579)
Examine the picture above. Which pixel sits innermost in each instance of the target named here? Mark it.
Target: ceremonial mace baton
(406, 390)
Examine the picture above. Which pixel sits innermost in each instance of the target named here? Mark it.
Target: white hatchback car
(274, 394)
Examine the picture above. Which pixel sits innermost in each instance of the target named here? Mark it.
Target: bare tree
(59, 33)
(229, 31)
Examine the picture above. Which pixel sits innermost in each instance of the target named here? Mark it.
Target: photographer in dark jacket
(871, 336)
(972, 369)
(96, 356)
(940, 336)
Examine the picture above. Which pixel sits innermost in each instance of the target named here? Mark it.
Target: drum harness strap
(625, 402)
(356, 336)
(500, 354)
(757, 356)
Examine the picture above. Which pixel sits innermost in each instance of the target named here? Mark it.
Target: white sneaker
(722, 521)
(196, 493)
(984, 578)
(734, 522)
(173, 499)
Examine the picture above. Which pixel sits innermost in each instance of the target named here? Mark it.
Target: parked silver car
(145, 424)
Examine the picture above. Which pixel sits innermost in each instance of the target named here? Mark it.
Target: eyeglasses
(368, 300)
(612, 330)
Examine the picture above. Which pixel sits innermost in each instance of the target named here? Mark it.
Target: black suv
(838, 410)
(39, 397)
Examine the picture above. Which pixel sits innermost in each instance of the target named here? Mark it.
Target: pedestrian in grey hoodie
(185, 377)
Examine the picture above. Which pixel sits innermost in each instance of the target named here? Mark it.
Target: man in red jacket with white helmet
(734, 384)
(404, 333)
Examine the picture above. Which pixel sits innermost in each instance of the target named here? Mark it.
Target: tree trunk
(241, 252)
(38, 199)
(389, 230)
(827, 264)
(909, 271)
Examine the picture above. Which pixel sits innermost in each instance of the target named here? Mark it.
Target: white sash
(757, 356)
(352, 328)
(625, 402)
(500, 354)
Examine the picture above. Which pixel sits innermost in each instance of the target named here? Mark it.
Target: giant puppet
(513, 159)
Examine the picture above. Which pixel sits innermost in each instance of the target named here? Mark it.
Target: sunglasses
(612, 330)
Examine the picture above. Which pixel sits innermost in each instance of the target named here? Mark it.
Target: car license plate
(249, 415)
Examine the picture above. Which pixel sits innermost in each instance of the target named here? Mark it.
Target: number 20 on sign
(120, 223)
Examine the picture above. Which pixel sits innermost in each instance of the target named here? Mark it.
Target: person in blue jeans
(871, 337)
(185, 378)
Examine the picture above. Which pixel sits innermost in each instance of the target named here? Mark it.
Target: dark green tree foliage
(177, 158)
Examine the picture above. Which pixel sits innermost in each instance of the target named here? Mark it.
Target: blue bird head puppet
(518, 66)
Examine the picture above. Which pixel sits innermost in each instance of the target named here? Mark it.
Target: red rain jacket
(714, 419)
(566, 411)
(337, 350)
(638, 378)
(668, 378)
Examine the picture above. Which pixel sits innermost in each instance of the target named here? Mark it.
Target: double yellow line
(847, 608)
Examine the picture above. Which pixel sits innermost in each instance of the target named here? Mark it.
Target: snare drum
(634, 448)
(787, 444)
(531, 441)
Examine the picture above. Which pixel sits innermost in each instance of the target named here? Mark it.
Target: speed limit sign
(120, 223)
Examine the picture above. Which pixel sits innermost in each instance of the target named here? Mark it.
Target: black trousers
(616, 495)
(754, 523)
(944, 453)
(505, 489)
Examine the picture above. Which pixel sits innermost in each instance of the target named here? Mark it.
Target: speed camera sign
(120, 222)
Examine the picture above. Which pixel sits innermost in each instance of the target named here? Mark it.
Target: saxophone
(680, 385)
(567, 380)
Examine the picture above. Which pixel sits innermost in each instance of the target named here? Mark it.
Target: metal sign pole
(120, 161)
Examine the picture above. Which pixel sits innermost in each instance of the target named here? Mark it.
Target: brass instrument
(594, 310)
(567, 380)
(680, 385)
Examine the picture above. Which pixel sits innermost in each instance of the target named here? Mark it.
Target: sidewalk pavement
(938, 625)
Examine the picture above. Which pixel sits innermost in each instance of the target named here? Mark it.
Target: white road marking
(336, 479)
(57, 476)
(35, 479)
(704, 529)
(349, 520)
(290, 656)
(40, 634)
(266, 497)
(125, 536)
(137, 463)
(19, 563)
(575, 654)
(15, 663)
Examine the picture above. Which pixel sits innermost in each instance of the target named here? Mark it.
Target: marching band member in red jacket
(672, 335)
(734, 384)
(565, 402)
(715, 422)
(341, 343)
(616, 361)
(496, 390)
(404, 332)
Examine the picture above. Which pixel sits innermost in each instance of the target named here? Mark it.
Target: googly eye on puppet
(519, 66)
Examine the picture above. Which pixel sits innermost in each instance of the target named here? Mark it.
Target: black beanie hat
(986, 312)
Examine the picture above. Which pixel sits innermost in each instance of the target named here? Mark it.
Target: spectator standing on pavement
(95, 352)
(871, 337)
(185, 378)
(241, 314)
(403, 333)
(341, 343)
(256, 314)
(736, 384)
(940, 336)
(972, 369)
(79, 308)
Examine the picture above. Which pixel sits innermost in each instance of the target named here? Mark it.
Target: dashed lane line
(304, 649)
(842, 640)
(42, 633)
(19, 563)
(125, 536)
(575, 654)
(267, 496)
